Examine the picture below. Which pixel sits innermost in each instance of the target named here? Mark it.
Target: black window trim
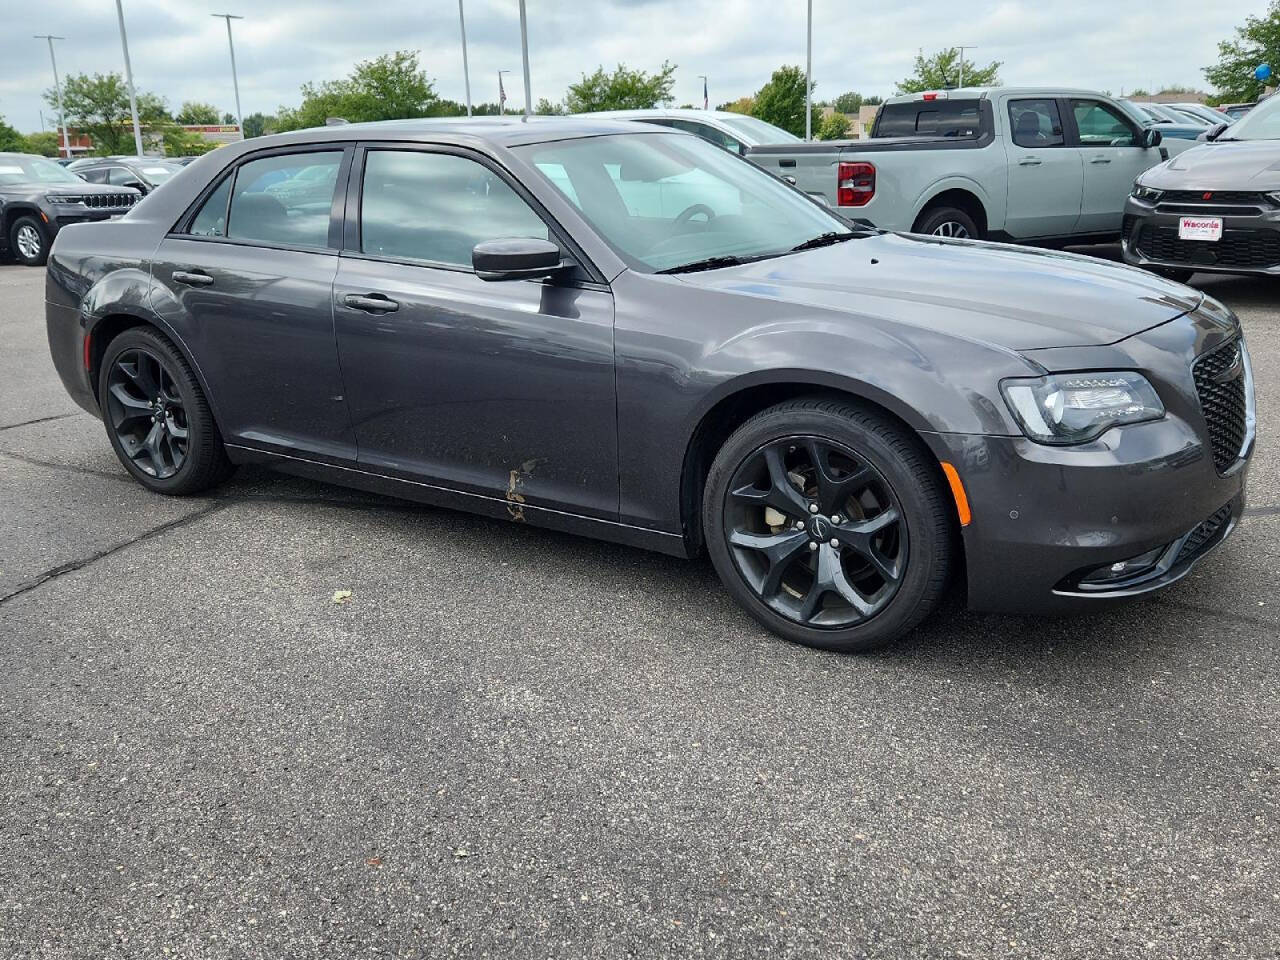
(1057, 102)
(1070, 117)
(350, 246)
(181, 230)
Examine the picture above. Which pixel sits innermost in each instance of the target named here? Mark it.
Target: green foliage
(847, 102)
(258, 125)
(1257, 42)
(183, 143)
(228, 118)
(781, 101)
(872, 101)
(545, 108)
(1139, 92)
(99, 106)
(11, 141)
(942, 70)
(834, 126)
(195, 112)
(390, 87)
(741, 105)
(46, 143)
(621, 90)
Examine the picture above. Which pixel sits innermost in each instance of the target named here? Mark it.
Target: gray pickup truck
(1014, 164)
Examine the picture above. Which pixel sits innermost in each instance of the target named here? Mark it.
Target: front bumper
(1250, 237)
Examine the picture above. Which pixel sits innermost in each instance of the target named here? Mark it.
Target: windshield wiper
(823, 240)
(715, 263)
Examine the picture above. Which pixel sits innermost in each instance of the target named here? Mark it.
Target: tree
(183, 143)
(872, 101)
(834, 126)
(1257, 42)
(781, 101)
(99, 106)
(46, 143)
(258, 124)
(1139, 92)
(11, 141)
(741, 105)
(228, 118)
(847, 102)
(942, 70)
(621, 90)
(545, 108)
(193, 112)
(390, 87)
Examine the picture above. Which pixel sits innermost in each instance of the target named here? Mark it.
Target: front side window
(710, 134)
(119, 176)
(666, 201)
(437, 207)
(1036, 123)
(95, 176)
(285, 199)
(1101, 125)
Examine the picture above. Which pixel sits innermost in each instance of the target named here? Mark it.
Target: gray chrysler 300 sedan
(625, 332)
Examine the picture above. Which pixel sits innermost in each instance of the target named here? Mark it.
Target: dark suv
(38, 197)
(142, 173)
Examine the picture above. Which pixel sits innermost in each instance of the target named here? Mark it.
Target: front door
(505, 389)
(1046, 180)
(247, 282)
(1110, 147)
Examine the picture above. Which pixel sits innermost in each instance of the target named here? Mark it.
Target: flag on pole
(704, 94)
(502, 95)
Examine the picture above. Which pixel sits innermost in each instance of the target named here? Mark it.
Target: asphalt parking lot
(513, 743)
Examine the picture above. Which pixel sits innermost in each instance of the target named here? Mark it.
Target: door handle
(195, 278)
(373, 303)
(1029, 162)
(1100, 160)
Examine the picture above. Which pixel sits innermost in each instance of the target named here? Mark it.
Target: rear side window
(939, 118)
(1101, 125)
(1036, 123)
(710, 134)
(285, 199)
(211, 221)
(436, 207)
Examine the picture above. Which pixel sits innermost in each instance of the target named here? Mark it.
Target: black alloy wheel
(829, 523)
(816, 531)
(157, 417)
(950, 223)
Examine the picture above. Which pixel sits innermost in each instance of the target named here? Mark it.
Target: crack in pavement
(27, 423)
(73, 565)
(70, 468)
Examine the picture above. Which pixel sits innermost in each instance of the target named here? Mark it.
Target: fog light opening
(1121, 570)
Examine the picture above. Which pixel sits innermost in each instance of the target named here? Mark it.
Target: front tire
(950, 223)
(157, 417)
(829, 524)
(29, 241)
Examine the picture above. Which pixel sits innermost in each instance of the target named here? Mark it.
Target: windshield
(21, 168)
(159, 173)
(665, 201)
(758, 131)
(1260, 123)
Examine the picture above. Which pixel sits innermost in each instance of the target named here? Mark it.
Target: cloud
(179, 51)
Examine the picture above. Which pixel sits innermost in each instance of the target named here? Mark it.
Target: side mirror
(519, 258)
(1217, 130)
(1151, 137)
(136, 184)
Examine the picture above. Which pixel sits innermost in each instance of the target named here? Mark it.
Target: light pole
(962, 50)
(466, 71)
(128, 75)
(57, 91)
(808, 71)
(524, 49)
(235, 81)
(703, 78)
(502, 93)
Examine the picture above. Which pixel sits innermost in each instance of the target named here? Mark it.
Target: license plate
(1200, 228)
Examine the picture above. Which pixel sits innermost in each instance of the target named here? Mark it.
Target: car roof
(506, 130)
(688, 113)
(982, 93)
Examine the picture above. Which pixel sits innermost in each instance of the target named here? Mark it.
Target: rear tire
(29, 241)
(949, 223)
(848, 576)
(157, 417)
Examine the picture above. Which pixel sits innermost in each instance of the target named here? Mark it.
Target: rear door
(247, 279)
(1046, 178)
(1109, 143)
(503, 389)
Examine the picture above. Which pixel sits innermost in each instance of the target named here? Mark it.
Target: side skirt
(493, 507)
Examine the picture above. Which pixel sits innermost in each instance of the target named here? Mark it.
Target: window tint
(94, 176)
(211, 221)
(285, 199)
(119, 176)
(1101, 125)
(1035, 123)
(437, 206)
(939, 118)
(710, 134)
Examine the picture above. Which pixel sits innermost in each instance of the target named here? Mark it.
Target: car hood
(1017, 298)
(1244, 165)
(42, 188)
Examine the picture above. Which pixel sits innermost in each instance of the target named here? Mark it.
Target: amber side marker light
(957, 491)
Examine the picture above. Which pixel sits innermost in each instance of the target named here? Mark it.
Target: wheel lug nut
(835, 542)
(812, 545)
(836, 518)
(799, 524)
(813, 508)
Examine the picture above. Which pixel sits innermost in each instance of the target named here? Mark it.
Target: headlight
(1065, 408)
(1147, 193)
(62, 198)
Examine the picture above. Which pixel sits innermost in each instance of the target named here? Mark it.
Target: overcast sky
(180, 52)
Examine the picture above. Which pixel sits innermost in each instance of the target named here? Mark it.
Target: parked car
(733, 131)
(39, 197)
(1003, 164)
(1206, 113)
(1213, 209)
(141, 173)
(1175, 128)
(844, 419)
(1236, 110)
